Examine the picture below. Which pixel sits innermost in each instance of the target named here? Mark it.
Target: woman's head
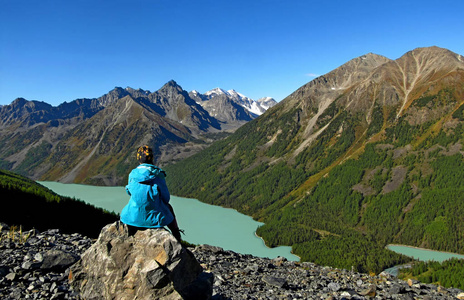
(145, 155)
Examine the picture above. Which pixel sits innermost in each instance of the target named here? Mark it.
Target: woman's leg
(173, 227)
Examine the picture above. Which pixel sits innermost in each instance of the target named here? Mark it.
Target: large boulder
(151, 264)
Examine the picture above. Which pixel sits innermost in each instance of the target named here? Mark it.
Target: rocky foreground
(35, 265)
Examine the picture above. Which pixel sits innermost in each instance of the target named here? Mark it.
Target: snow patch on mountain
(255, 107)
(215, 92)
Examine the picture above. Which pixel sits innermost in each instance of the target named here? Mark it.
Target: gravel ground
(34, 265)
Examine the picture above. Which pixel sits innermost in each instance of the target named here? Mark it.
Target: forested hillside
(366, 155)
(30, 205)
(449, 273)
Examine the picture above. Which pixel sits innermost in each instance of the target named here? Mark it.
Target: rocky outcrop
(148, 265)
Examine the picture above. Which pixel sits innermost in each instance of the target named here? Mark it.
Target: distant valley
(92, 141)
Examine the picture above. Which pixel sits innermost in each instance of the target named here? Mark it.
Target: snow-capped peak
(266, 102)
(216, 91)
(255, 107)
(236, 94)
(231, 93)
(265, 99)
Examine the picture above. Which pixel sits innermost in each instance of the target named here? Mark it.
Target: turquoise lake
(424, 254)
(203, 223)
(420, 254)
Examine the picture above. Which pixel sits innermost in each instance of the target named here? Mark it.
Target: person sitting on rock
(148, 206)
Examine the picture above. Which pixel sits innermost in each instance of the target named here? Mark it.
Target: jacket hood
(146, 172)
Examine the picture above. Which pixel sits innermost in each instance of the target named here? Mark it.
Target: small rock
(370, 291)
(345, 294)
(53, 287)
(58, 260)
(411, 282)
(11, 276)
(29, 265)
(334, 287)
(38, 257)
(275, 281)
(210, 248)
(396, 289)
(279, 260)
(52, 231)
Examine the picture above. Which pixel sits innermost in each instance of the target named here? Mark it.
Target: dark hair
(145, 154)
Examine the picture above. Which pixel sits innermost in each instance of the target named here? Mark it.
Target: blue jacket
(148, 204)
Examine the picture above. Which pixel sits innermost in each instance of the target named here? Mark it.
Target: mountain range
(92, 140)
(368, 154)
(219, 103)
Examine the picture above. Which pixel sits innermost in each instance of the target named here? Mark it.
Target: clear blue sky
(57, 51)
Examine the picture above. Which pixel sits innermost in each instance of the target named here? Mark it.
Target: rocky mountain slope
(363, 156)
(230, 107)
(92, 140)
(39, 268)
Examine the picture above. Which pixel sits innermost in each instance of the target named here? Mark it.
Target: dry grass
(14, 235)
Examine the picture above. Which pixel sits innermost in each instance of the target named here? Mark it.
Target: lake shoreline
(204, 223)
(264, 242)
(423, 249)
